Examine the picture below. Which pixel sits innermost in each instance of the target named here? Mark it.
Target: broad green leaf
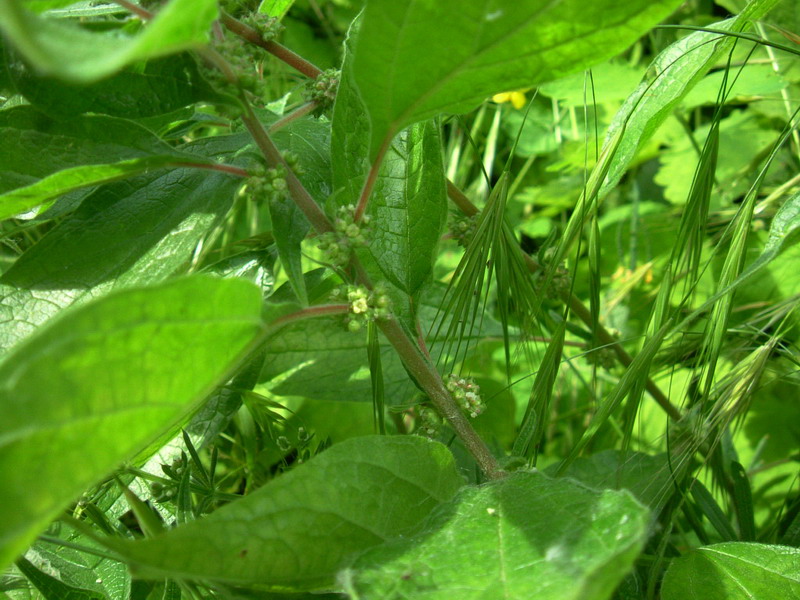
(527, 536)
(159, 86)
(35, 146)
(98, 385)
(734, 571)
(743, 84)
(65, 50)
(289, 228)
(408, 205)
(300, 529)
(78, 569)
(676, 70)
(141, 230)
(470, 49)
(275, 8)
(321, 360)
(649, 478)
(52, 588)
(62, 182)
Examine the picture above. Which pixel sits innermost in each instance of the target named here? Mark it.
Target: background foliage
(399, 299)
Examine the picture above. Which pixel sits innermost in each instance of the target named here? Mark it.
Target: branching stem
(300, 111)
(281, 52)
(369, 182)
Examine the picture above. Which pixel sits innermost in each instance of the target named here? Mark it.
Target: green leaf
(320, 359)
(733, 571)
(141, 230)
(75, 54)
(35, 146)
(22, 199)
(676, 70)
(158, 87)
(77, 568)
(300, 529)
(408, 205)
(527, 536)
(98, 385)
(289, 228)
(275, 8)
(51, 588)
(471, 49)
(649, 478)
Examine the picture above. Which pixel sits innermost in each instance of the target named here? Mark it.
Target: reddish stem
(372, 177)
(301, 111)
(312, 312)
(140, 12)
(239, 172)
(283, 53)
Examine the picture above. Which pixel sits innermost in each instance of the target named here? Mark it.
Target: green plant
(244, 356)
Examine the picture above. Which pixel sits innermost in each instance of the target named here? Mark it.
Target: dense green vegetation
(420, 299)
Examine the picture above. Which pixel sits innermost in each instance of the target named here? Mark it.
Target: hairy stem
(319, 221)
(300, 111)
(425, 374)
(312, 312)
(430, 380)
(140, 12)
(281, 52)
(369, 182)
(230, 169)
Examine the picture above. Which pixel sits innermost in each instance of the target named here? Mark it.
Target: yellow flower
(516, 98)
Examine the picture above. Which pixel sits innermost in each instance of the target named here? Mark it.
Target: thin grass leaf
(711, 510)
(376, 377)
(635, 378)
(534, 423)
(199, 469)
(743, 503)
(731, 270)
(148, 520)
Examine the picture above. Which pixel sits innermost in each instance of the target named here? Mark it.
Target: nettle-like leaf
(36, 147)
(141, 230)
(65, 50)
(408, 204)
(300, 529)
(734, 571)
(527, 536)
(95, 387)
(79, 570)
(159, 86)
(415, 59)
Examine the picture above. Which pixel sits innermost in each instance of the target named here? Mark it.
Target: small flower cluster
(268, 27)
(560, 282)
(267, 184)
(466, 393)
(347, 234)
(322, 90)
(429, 422)
(240, 56)
(365, 305)
(463, 229)
(603, 356)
